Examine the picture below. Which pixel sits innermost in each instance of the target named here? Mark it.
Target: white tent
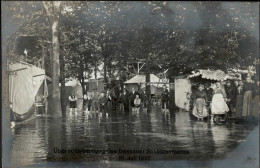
(24, 83)
(154, 80)
(140, 80)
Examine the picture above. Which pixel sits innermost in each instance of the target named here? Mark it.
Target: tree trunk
(95, 70)
(62, 93)
(53, 13)
(148, 88)
(7, 136)
(105, 64)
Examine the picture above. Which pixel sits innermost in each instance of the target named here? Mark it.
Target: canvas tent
(182, 90)
(140, 80)
(27, 84)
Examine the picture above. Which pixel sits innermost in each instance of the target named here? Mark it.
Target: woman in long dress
(256, 102)
(248, 98)
(200, 101)
(219, 105)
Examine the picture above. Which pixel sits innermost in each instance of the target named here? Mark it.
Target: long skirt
(256, 106)
(218, 105)
(239, 105)
(199, 108)
(247, 103)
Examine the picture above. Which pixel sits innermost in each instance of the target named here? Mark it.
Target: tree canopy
(178, 35)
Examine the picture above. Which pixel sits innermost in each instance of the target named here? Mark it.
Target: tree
(53, 10)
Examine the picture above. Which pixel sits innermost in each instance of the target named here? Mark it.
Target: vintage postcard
(130, 84)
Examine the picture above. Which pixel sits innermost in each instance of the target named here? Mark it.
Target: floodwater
(44, 140)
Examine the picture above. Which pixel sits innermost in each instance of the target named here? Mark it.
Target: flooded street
(42, 140)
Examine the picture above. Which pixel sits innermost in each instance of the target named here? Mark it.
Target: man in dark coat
(165, 98)
(102, 102)
(144, 98)
(231, 97)
(124, 98)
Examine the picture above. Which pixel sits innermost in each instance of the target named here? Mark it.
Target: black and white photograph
(130, 84)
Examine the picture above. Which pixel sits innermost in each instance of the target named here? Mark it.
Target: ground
(35, 142)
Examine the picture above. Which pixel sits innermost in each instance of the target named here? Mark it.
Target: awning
(210, 74)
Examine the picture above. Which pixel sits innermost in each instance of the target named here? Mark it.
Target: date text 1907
(134, 158)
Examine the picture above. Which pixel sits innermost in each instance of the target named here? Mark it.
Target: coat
(165, 95)
(231, 94)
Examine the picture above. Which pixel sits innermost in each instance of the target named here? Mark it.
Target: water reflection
(36, 140)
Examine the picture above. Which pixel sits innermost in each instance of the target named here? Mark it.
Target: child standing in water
(73, 102)
(137, 103)
(88, 99)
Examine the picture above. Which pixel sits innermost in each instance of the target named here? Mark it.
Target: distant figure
(88, 99)
(102, 102)
(124, 98)
(132, 96)
(95, 102)
(73, 102)
(219, 105)
(239, 99)
(144, 98)
(236, 83)
(231, 98)
(120, 102)
(165, 98)
(208, 91)
(137, 103)
(109, 100)
(256, 102)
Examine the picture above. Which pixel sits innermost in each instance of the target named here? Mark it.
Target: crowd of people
(220, 100)
(227, 99)
(125, 100)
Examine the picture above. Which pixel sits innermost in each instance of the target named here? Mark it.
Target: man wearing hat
(165, 97)
(231, 97)
(102, 101)
(95, 102)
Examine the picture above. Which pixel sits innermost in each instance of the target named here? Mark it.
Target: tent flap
(23, 86)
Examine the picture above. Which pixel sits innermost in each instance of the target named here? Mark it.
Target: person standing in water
(102, 102)
(73, 102)
(248, 98)
(88, 99)
(137, 103)
(219, 105)
(165, 98)
(200, 101)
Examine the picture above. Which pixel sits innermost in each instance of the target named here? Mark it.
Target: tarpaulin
(182, 88)
(24, 83)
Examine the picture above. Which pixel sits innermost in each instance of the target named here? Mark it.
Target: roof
(210, 74)
(139, 79)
